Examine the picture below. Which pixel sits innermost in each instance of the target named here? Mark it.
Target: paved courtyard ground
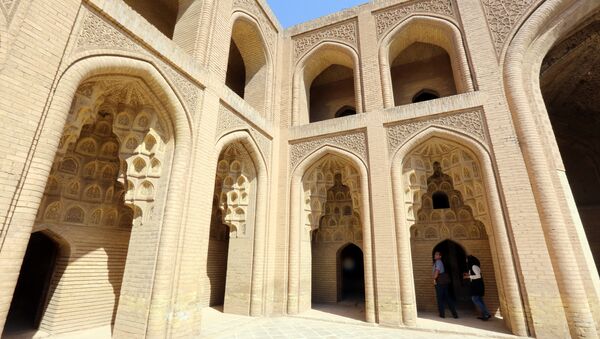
(324, 321)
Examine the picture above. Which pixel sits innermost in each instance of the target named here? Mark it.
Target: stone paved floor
(321, 322)
(324, 321)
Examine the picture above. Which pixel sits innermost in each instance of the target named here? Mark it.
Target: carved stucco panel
(254, 8)
(345, 31)
(228, 120)
(502, 16)
(96, 32)
(354, 142)
(389, 17)
(8, 9)
(470, 123)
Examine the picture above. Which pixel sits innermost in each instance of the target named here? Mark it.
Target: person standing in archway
(476, 289)
(441, 281)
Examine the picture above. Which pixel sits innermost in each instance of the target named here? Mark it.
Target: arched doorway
(454, 257)
(569, 84)
(351, 274)
(231, 239)
(29, 299)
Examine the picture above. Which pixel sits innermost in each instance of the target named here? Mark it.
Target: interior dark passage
(235, 78)
(332, 94)
(352, 274)
(218, 249)
(28, 301)
(570, 81)
(454, 259)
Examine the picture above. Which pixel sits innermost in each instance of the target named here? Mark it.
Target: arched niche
(569, 85)
(423, 53)
(560, 220)
(409, 189)
(326, 79)
(99, 197)
(329, 208)
(229, 266)
(249, 63)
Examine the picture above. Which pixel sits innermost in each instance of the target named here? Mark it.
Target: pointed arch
(506, 272)
(259, 225)
(179, 121)
(299, 295)
(522, 63)
(429, 30)
(314, 63)
(250, 63)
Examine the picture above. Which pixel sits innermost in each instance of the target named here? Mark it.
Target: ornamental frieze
(389, 17)
(346, 31)
(97, 33)
(502, 16)
(354, 142)
(228, 121)
(470, 123)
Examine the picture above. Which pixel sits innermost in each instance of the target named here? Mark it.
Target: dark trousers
(443, 296)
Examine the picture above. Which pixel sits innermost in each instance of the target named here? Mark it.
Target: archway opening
(446, 204)
(570, 82)
(418, 66)
(351, 274)
(331, 89)
(454, 259)
(248, 64)
(101, 189)
(30, 296)
(230, 246)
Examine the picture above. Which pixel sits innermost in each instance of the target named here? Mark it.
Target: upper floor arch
(326, 80)
(249, 65)
(423, 53)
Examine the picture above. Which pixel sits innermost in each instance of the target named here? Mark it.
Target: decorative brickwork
(389, 17)
(345, 32)
(354, 142)
(502, 16)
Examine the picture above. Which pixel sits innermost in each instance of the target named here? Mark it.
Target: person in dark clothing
(441, 280)
(477, 288)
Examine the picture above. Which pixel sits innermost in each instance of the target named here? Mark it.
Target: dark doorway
(454, 259)
(218, 250)
(351, 274)
(29, 298)
(425, 95)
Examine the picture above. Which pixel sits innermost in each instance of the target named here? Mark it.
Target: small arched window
(425, 95)
(440, 200)
(345, 111)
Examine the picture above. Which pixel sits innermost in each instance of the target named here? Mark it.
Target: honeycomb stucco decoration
(345, 31)
(354, 142)
(266, 25)
(502, 16)
(389, 17)
(97, 33)
(229, 121)
(470, 123)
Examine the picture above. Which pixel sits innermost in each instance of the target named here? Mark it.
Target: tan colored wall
(44, 58)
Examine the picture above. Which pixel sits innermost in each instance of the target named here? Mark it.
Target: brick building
(160, 157)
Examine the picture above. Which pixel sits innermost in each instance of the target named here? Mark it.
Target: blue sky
(292, 12)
